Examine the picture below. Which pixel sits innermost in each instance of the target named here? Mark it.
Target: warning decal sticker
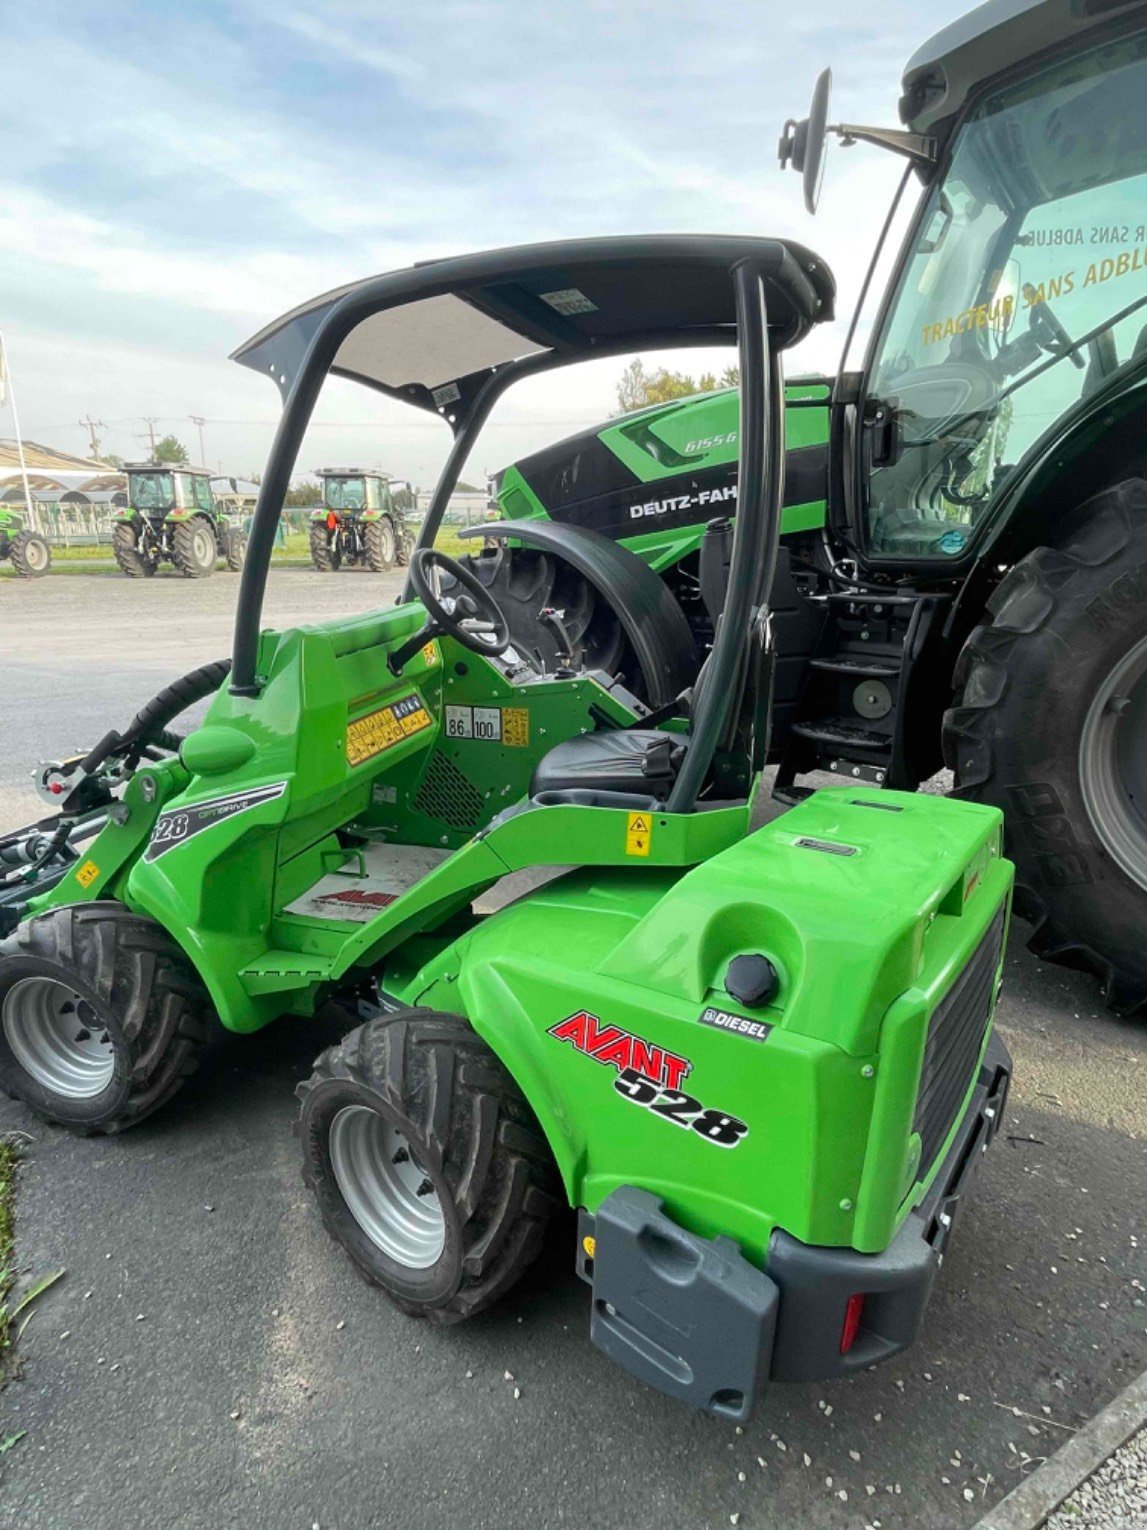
(87, 873)
(382, 729)
(638, 834)
(490, 725)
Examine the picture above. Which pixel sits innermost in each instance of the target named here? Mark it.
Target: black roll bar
(756, 531)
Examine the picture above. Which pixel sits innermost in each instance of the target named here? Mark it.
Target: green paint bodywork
(692, 434)
(865, 943)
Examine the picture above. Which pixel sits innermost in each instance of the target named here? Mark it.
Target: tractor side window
(201, 493)
(1025, 293)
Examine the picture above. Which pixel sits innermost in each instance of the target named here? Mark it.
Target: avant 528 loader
(760, 1063)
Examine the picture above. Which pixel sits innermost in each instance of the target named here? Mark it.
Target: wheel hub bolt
(425, 1188)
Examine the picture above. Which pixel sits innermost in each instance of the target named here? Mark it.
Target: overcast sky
(174, 176)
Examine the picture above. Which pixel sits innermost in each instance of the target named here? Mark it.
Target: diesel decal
(649, 1076)
(616, 1048)
(739, 1025)
(175, 828)
(385, 727)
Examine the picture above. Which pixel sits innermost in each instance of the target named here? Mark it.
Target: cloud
(193, 172)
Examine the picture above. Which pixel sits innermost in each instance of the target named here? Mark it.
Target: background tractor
(358, 523)
(29, 551)
(172, 516)
(963, 578)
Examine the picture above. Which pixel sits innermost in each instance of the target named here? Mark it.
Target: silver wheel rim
(1113, 763)
(36, 554)
(380, 1181)
(204, 545)
(57, 1038)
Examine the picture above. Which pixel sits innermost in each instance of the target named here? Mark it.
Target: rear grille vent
(446, 794)
(955, 1035)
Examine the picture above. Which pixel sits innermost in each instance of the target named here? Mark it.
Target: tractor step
(284, 972)
(860, 690)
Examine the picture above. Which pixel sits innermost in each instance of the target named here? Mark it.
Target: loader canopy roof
(432, 334)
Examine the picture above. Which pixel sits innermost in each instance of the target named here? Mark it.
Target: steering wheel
(472, 618)
(1050, 333)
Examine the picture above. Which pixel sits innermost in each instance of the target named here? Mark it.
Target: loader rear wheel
(381, 550)
(325, 552)
(427, 1163)
(133, 561)
(102, 1019)
(1051, 726)
(30, 554)
(193, 548)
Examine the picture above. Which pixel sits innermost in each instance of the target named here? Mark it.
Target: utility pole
(151, 422)
(91, 426)
(198, 421)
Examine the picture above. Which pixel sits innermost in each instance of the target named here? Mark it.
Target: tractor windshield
(344, 493)
(151, 491)
(1024, 292)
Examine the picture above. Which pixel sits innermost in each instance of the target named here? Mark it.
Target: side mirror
(804, 144)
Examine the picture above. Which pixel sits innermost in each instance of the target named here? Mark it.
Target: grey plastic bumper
(692, 1317)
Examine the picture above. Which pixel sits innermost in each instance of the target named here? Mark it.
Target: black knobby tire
(429, 1077)
(235, 548)
(405, 549)
(31, 556)
(193, 547)
(125, 546)
(379, 545)
(140, 992)
(324, 553)
(1060, 622)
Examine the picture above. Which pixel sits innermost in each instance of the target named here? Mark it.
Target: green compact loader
(29, 551)
(758, 1059)
(358, 523)
(962, 572)
(172, 516)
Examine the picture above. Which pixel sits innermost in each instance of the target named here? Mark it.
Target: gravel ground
(1112, 1498)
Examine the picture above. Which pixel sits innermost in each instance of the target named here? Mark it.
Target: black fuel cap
(751, 980)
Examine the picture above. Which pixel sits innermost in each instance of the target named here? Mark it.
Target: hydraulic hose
(149, 725)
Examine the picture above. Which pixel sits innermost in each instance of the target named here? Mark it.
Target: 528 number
(682, 1109)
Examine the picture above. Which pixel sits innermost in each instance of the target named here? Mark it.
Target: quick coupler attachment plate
(690, 1316)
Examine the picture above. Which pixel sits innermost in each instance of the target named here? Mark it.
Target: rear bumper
(692, 1317)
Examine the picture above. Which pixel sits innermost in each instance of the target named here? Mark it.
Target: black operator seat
(645, 761)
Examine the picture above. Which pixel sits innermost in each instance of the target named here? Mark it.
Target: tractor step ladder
(850, 719)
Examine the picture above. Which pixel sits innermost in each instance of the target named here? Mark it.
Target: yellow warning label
(381, 729)
(430, 652)
(87, 873)
(516, 727)
(638, 834)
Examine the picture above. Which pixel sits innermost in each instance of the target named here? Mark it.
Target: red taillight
(852, 1315)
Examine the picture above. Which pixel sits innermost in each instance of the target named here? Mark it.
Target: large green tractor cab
(965, 524)
(172, 517)
(757, 1058)
(29, 552)
(357, 523)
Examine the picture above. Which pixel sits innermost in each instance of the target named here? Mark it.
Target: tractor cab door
(1021, 294)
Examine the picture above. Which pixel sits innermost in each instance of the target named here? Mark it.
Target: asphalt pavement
(209, 1358)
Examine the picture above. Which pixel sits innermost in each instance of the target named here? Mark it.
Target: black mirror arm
(400, 657)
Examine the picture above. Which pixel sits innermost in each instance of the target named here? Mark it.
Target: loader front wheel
(102, 1019)
(1051, 726)
(427, 1163)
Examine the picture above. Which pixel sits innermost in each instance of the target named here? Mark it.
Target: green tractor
(757, 1058)
(963, 575)
(358, 523)
(29, 551)
(171, 516)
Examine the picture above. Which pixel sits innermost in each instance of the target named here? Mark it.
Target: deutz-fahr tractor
(758, 1060)
(29, 551)
(358, 523)
(963, 577)
(171, 516)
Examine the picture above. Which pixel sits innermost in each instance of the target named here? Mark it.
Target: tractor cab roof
(432, 335)
(992, 39)
(350, 472)
(166, 467)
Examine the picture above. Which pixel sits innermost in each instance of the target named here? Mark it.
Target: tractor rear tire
(380, 545)
(102, 1018)
(125, 546)
(193, 548)
(1032, 683)
(405, 549)
(235, 548)
(324, 553)
(31, 556)
(428, 1165)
